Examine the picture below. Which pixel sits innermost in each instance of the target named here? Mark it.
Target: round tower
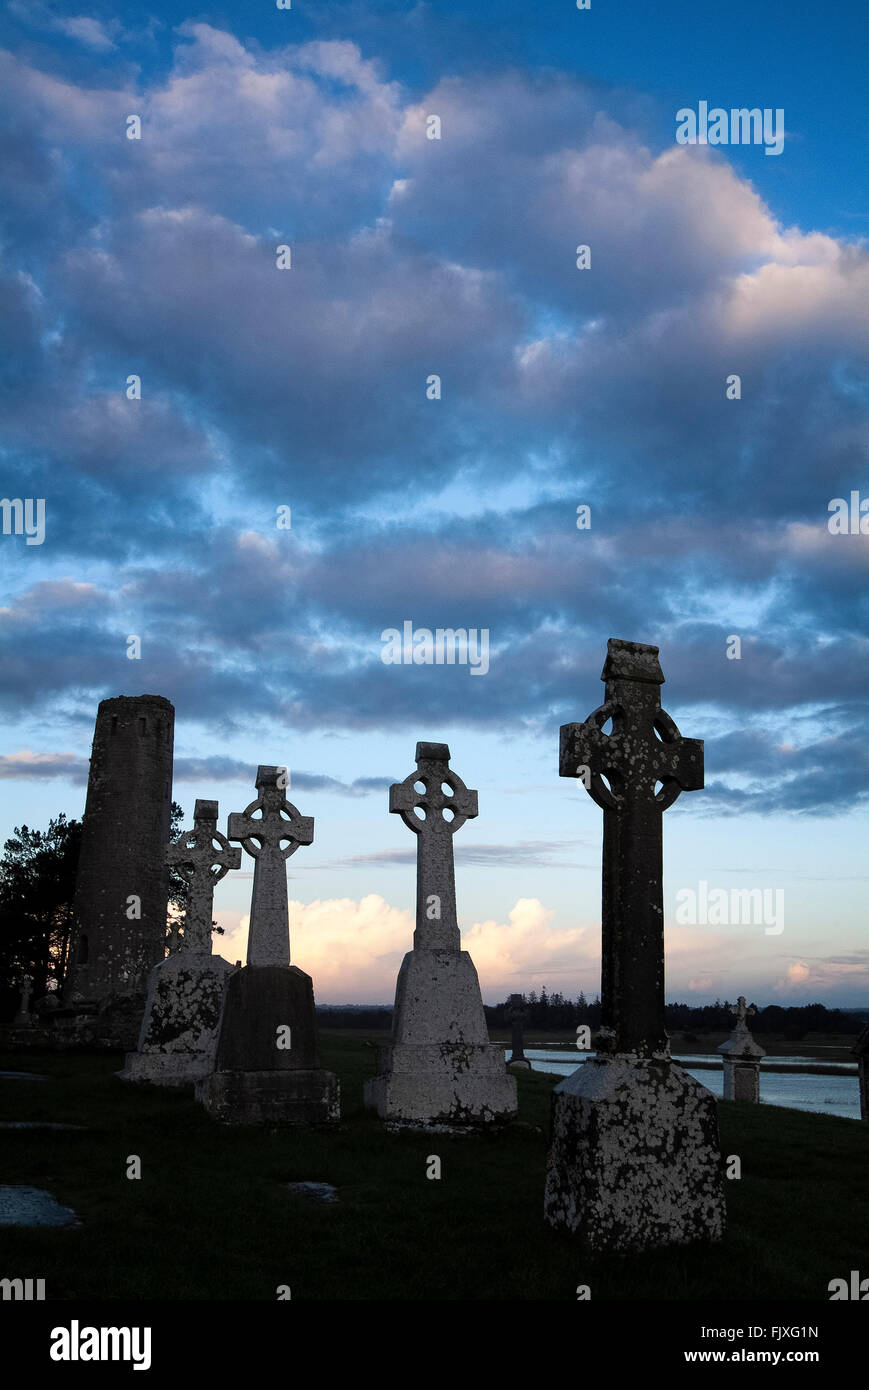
(122, 884)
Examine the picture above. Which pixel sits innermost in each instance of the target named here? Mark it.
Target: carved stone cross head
(195, 853)
(271, 820)
(742, 1012)
(203, 856)
(644, 748)
(433, 800)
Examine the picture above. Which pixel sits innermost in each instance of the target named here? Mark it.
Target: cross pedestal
(633, 1160)
(742, 1057)
(267, 1069)
(440, 1068)
(178, 1040)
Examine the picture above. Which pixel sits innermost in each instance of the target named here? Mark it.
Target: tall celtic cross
(434, 803)
(270, 829)
(203, 856)
(622, 771)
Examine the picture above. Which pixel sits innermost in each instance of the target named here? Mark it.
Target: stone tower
(122, 885)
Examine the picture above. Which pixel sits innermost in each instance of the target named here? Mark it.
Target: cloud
(354, 950)
(43, 766)
(306, 387)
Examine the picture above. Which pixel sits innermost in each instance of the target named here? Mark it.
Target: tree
(37, 887)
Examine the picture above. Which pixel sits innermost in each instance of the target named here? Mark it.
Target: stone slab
(274, 1098)
(32, 1206)
(634, 1159)
(178, 1041)
(322, 1192)
(36, 1124)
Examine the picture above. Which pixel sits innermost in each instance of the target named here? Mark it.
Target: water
(822, 1095)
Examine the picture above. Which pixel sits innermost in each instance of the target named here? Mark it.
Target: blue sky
(306, 388)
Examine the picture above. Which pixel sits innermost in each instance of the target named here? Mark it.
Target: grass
(210, 1219)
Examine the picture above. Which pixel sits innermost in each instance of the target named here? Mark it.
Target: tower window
(114, 723)
(141, 726)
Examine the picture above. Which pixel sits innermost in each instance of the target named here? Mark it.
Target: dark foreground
(210, 1219)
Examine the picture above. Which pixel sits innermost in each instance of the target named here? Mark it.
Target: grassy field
(210, 1219)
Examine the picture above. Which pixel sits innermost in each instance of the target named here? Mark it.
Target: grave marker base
(634, 1161)
(257, 1082)
(441, 1067)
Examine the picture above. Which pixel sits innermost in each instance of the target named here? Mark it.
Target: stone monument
(861, 1052)
(634, 1161)
(24, 1018)
(741, 1057)
(122, 885)
(440, 1068)
(185, 992)
(268, 1067)
(517, 1014)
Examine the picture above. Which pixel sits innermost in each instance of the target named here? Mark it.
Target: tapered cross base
(268, 1069)
(633, 1162)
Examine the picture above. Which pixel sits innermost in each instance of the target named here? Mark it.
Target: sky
(150, 266)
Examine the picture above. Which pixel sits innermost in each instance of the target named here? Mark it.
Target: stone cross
(23, 1018)
(203, 864)
(434, 803)
(742, 1013)
(263, 828)
(645, 748)
(517, 1014)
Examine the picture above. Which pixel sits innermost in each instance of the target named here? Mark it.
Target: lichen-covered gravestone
(634, 1161)
(440, 1068)
(741, 1057)
(186, 990)
(267, 1070)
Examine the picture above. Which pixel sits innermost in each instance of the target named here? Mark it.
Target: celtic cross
(203, 856)
(270, 829)
(434, 803)
(622, 772)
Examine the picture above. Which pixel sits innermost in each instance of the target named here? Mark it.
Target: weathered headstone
(741, 1057)
(634, 1161)
(268, 1067)
(23, 1018)
(861, 1052)
(440, 1067)
(122, 882)
(517, 1014)
(185, 992)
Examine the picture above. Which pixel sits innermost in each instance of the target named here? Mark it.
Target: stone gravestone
(23, 1018)
(741, 1057)
(268, 1063)
(185, 991)
(634, 1160)
(517, 1014)
(861, 1052)
(440, 1067)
